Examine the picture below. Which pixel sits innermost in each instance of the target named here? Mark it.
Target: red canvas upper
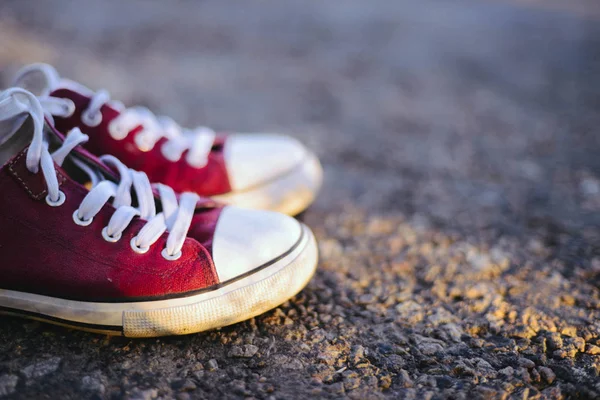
(209, 180)
(43, 251)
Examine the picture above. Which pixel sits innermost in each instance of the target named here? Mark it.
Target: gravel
(459, 222)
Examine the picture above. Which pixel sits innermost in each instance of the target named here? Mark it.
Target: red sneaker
(263, 171)
(124, 257)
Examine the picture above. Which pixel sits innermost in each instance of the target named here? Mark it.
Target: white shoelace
(175, 218)
(198, 142)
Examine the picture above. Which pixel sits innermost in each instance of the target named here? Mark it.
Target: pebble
(92, 384)
(293, 364)
(357, 354)
(366, 299)
(526, 363)
(430, 348)
(385, 382)
(548, 375)
(41, 368)
(336, 388)
(592, 349)
(8, 383)
(212, 365)
(148, 394)
(404, 379)
(351, 380)
(184, 385)
(554, 341)
(246, 351)
(579, 344)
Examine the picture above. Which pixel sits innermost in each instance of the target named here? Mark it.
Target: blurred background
(474, 113)
(461, 148)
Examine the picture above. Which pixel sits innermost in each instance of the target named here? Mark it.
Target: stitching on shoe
(60, 177)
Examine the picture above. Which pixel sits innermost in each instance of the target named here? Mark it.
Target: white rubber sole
(290, 193)
(234, 301)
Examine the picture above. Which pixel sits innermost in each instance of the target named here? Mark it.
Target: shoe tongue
(93, 162)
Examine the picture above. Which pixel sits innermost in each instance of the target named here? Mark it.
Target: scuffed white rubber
(245, 238)
(240, 300)
(289, 193)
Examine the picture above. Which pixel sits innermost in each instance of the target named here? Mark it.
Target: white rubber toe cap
(247, 239)
(253, 159)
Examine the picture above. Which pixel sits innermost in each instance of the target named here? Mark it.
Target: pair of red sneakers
(90, 242)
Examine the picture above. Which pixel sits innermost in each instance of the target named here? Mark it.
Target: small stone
(548, 375)
(395, 362)
(571, 351)
(461, 369)
(279, 359)
(357, 354)
(592, 349)
(429, 349)
(385, 382)
(366, 299)
(8, 383)
(351, 380)
(524, 375)
(559, 354)
(554, 341)
(212, 365)
(199, 375)
(486, 392)
(526, 363)
(147, 394)
(326, 358)
(92, 384)
(246, 351)
(293, 364)
(453, 331)
(41, 368)
(184, 385)
(337, 388)
(569, 331)
(579, 344)
(404, 379)
(508, 371)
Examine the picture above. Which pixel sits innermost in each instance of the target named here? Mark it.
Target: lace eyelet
(69, 108)
(108, 238)
(142, 143)
(136, 248)
(58, 202)
(79, 221)
(168, 256)
(116, 131)
(91, 120)
(195, 164)
(166, 153)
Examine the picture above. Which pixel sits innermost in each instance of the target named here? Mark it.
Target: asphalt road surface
(459, 223)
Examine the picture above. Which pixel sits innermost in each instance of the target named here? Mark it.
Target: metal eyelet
(109, 238)
(136, 248)
(168, 256)
(91, 121)
(58, 202)
(79, 221)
